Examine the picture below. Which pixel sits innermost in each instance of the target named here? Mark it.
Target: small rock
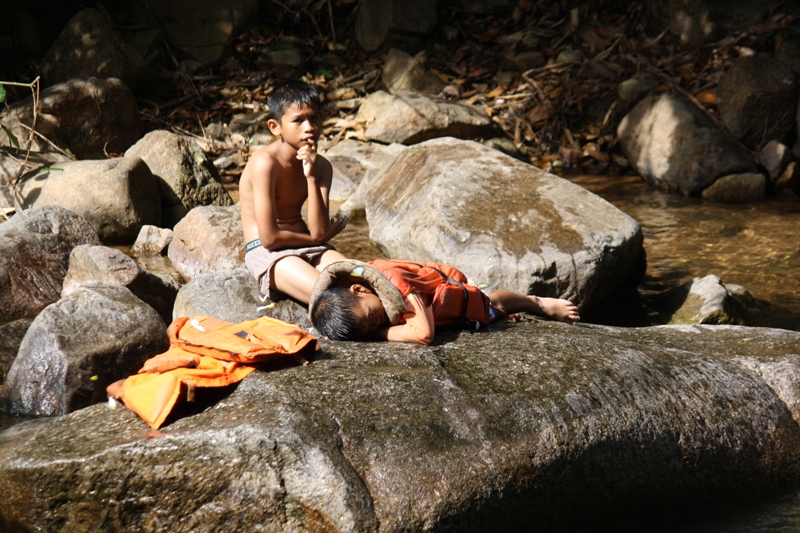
(702, 301)
(636, 88)
(529, 59)
(223, 162)
(287, 57)
(152, 240)
(775, 157)
(737, 188)
(570, 56)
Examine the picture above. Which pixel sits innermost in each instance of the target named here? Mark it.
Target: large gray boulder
(410, 118)
(757, 98)
(503, 222)
(78, 346)
(675, 146)
(232, 294)
(91, 117)
(503, 431)
(88, 264)
(34, 256)
(90, 45)
(207, 238)
(185, 175)
(115, 196)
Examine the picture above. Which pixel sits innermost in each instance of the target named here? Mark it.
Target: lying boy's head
(290, 93)
(347, 313)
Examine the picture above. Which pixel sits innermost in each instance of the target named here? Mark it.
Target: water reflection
(755, 245)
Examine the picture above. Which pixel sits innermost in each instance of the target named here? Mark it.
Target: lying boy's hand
(308, 155)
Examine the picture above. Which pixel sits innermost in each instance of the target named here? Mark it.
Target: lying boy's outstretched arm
(418, 328)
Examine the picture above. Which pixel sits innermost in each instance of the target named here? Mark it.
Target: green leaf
(11, 137)
(2, 93)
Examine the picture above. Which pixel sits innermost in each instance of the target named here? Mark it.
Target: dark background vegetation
(468, 50)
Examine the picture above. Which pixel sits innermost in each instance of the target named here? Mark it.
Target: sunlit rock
(410, 118)
(232, 295)
(185, 175)
(676, 146)
(207, 238)
(115, 196)
(108, 265)
(503, 223)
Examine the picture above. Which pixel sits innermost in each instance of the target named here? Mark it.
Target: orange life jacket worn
(206, 352)
(453, 301)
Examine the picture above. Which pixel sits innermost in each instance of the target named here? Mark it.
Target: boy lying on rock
(406, 301)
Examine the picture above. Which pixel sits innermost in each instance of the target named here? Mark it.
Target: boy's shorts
(260, 262)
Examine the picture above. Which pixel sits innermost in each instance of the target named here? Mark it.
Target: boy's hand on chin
(308, 155)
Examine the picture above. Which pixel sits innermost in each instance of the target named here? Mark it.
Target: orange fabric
(206, 352)
(445, 298)
(252, 341)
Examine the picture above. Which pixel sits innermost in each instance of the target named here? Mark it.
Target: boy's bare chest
(290, 192)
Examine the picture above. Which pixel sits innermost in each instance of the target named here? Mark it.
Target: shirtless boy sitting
(284, 253)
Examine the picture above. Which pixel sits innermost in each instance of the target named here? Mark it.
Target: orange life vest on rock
(452, 300)
(206, 352)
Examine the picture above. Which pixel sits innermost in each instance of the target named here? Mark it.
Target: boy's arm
(319, 176)
(419, 326)
(271, 235)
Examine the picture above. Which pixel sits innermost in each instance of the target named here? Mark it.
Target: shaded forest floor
(560, 116)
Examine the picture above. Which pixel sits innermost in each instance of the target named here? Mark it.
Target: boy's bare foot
(558, 309)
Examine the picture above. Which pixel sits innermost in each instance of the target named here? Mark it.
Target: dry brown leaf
(600, 37)
(707, 97)
(540, 113)
(497, 91)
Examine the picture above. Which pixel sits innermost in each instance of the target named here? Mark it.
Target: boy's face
(368, 309)
(300, 124)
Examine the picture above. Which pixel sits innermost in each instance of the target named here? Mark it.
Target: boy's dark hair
(291, 92)
(332, 314)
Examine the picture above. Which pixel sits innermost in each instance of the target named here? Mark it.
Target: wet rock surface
(481, 432)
